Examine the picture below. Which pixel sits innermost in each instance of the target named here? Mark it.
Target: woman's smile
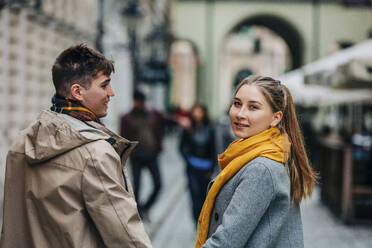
(240, 125)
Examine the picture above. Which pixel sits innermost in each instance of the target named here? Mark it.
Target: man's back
(65, 187)
(145, 126)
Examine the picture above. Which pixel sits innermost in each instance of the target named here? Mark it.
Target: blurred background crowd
(184, 58)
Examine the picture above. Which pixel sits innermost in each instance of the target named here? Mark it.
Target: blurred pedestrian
(197, 147)
(66, 185)
(254, 201)
(146, 126)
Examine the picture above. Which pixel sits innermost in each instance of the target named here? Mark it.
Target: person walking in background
(265, 173)
(197, 147)
(66, 183)
(146, 126)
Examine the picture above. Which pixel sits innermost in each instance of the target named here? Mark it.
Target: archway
(281, 27)
(265, 45)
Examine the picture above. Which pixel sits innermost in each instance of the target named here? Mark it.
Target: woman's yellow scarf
(269, 143)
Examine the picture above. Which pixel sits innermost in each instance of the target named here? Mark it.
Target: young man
(66, 184)
(146, 126)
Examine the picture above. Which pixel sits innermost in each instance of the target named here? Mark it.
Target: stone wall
(30, 40)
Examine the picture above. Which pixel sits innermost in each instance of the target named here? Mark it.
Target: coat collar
(122, 146)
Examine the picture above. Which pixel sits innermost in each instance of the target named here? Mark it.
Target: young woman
(197, 147)
(254, 201)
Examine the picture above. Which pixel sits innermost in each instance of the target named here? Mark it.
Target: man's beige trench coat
(66, 186)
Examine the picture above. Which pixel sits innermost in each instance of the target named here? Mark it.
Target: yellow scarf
(269, 143)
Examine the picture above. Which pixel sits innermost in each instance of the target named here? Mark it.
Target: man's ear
(277, 117)
(76, 92)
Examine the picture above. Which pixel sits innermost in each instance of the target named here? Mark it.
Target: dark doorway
(284, 29)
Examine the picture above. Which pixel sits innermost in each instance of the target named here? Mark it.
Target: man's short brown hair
(79, 64)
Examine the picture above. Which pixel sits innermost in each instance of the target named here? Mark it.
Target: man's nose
(110, 92)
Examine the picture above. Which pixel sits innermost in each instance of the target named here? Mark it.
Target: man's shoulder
(127, 115)
(29, 129)
(157, 114)
(100, 146)
(155, 111)
(101, 150)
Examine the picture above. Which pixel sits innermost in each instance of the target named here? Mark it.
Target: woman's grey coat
(253, 209)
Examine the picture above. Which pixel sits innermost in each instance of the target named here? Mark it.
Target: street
(172, 226)
(219, 70)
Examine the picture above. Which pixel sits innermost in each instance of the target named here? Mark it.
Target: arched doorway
(283, 29)
(264, 45)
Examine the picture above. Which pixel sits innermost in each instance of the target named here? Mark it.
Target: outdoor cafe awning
(318, 95)
(343, 77)
(348, 68)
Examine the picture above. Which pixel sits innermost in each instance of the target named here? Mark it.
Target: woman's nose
(242, 113)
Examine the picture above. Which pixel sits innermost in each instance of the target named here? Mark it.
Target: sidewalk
(322, 229)
(172, 226)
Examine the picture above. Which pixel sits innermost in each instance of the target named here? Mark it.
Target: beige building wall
(190, 21)
(30, 41)
(29, 44)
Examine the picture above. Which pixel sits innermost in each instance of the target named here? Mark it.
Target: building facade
(34, 32)
(308, 27)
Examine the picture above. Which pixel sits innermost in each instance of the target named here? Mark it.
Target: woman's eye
(236, 104)
(253, 107)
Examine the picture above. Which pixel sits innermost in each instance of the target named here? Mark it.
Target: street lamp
(132, 14)
(156, 69)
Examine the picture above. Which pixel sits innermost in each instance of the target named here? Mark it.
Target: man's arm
(112, 208)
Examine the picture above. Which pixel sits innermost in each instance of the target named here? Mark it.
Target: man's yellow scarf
(269, 143)
(73, 108)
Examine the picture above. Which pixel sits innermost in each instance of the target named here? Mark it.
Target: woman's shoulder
(271, 168)
(267, 162)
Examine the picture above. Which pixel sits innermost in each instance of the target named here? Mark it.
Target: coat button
(216, 216)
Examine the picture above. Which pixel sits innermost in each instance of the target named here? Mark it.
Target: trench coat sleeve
(111, 207)
(250, 201)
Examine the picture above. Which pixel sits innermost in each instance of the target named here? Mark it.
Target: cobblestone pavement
(172, 226)
(322, 229)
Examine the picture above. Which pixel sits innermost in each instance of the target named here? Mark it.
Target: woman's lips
(240, 125)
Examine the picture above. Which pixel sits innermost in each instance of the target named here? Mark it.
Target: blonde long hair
(302, 176)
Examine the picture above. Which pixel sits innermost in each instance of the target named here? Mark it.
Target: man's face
(97, 97)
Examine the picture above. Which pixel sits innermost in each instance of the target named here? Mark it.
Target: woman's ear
(76, 92)
(277, 117)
